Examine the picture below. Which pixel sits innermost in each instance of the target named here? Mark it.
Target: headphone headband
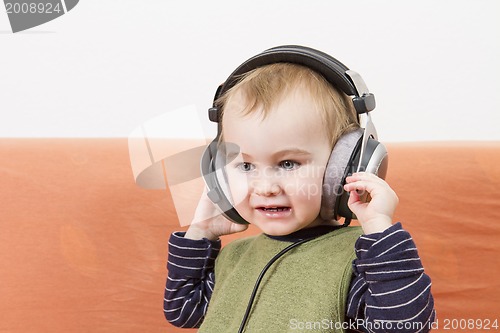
(331, 69)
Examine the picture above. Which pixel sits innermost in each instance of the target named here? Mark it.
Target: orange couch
(83, 248)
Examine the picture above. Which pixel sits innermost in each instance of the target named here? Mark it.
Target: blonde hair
(265, 86)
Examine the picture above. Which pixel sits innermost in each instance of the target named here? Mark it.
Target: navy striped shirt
(389, 291)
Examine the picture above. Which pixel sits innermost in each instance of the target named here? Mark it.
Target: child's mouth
(275, 212)
(274, 209)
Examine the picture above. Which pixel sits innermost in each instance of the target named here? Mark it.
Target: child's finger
(365, 182)
(360, 186)
(354, 197)
(364, 176)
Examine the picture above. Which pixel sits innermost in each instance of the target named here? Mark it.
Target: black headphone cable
(259, 279)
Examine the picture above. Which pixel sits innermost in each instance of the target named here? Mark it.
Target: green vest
(303, 291)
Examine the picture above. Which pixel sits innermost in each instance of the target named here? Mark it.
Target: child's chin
(277, 233)
(274, 229)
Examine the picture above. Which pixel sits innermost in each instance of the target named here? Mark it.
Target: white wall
(109, 65)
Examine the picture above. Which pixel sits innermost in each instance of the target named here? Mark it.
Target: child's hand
(375, 215)
(209, 223)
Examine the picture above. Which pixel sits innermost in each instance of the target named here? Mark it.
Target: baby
(285, 119)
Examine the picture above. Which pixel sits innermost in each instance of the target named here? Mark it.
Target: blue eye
(289, 165)
(245, 166)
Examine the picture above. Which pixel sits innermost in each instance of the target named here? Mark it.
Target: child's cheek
(238, 188)
(306, 186)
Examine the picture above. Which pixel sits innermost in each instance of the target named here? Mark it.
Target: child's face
(276, 179)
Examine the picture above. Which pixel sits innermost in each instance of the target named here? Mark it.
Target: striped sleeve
(390, 291)
(190, 280)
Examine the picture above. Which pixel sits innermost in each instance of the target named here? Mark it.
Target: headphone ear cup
(216, 182)
(340, 164)
(374, 160)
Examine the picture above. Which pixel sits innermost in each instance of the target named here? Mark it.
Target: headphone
(357, 150)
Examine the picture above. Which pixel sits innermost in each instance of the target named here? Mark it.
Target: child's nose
(266, 187)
